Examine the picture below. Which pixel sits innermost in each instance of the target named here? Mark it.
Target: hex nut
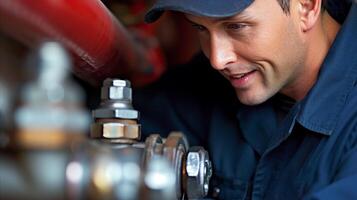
(199, 172)
(193, 164)
(116, 93)
(115, 130)
(116, 113)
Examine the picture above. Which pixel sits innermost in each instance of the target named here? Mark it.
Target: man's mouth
(242, 80)
(241, 75)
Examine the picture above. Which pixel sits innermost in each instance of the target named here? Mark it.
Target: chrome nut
(115, 130)
(116, 113)
(116, 89)
(116, 101)
(116, 93)
(199, 172)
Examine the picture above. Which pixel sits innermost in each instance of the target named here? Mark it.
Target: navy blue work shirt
(310, 153)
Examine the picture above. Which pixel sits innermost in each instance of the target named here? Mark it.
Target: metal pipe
(100, 45)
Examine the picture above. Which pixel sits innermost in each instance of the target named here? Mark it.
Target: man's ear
(309, 12)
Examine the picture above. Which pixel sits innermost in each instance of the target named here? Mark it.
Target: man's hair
(285, 5)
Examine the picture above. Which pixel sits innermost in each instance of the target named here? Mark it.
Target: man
(292, 133)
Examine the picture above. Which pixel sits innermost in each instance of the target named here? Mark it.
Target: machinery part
(97, 41)
(50, 120)
(116, 130)
(51, 104)
(116, 89)
(153, 146)
(116, 119)
(181, 175)
(199, 172)
(112, 165)
(173, 149)
(192, 166)
(160, 179)
(116, 101)
(4, 110)
(107, 172)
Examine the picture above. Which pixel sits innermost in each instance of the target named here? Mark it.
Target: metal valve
(111, 164)
(116, 123)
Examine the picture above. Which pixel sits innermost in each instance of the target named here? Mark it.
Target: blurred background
(98, 44)
(54, 57)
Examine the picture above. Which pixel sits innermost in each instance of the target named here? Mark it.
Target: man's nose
(221, 52)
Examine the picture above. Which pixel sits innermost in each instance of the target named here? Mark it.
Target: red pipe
(100, 45)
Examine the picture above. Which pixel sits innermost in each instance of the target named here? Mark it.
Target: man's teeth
(240, 75)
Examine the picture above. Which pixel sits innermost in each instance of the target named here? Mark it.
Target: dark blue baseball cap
(207, 8)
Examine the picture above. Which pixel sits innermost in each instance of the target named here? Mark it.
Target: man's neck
(331, 27)
(321, 41)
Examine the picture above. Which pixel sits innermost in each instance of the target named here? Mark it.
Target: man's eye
(199, 27)
(235, 26)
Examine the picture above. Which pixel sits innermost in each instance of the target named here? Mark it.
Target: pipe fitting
(116, 120)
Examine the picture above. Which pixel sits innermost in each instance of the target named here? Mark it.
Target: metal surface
(160, 179)
(153, 146)
(175, 148)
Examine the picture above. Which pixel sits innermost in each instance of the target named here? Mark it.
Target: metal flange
(175, 148)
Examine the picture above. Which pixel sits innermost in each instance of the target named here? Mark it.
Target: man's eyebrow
(241, 16)
(191, 22)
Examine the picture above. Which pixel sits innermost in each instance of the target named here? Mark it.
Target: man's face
(260, 51)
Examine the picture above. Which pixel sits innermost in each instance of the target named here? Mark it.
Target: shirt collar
(257, 124)
(321, 107)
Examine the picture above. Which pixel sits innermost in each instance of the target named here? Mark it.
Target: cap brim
(213, 8)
